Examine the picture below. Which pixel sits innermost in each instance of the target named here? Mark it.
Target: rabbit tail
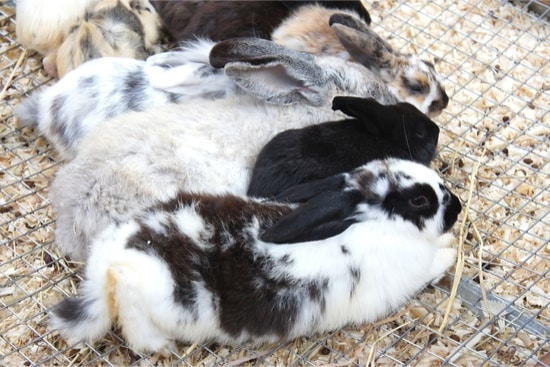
(28, 111)
(86, 318)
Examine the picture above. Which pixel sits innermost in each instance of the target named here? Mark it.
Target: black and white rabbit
(234, 269)
(378, 131)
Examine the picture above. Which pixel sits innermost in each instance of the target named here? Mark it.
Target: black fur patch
(72, 310)
(249, 295)
(400, 203)
(451, 211)
(355, 274)
(133, 88)
(59, 126)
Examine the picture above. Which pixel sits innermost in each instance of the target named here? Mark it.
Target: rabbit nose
(438, 105)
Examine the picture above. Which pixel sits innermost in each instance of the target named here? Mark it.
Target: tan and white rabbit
(413, 80)
(232, 269)
(71, 33)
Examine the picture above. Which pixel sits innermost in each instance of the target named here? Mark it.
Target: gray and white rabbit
(233, 269)
(377, 131)
(107, 86)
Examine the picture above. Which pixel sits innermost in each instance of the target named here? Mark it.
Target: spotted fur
(199, 267)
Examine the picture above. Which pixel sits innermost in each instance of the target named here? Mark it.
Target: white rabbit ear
(271, 72)
(363, 44)
(323, 216)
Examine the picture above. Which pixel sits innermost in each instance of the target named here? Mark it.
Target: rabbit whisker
(406, 138)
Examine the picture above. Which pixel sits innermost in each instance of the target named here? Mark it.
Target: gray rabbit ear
(271, 72)
(363, 44)
(323, 216)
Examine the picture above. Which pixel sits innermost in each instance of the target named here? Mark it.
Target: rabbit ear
(355, 106)
(323, 216)
(306, 191)
(379, 119)
(363, 44)
(271, 72)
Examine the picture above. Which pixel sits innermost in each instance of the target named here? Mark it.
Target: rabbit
(220, 20)
(69, 33)
(125, 28)
(106, 87)
(41, 25)
(234, 269)
(411, 79)
(131, 161)
(62, 114)
(377, 131)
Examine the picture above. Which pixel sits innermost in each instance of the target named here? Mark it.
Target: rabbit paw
(445, 240)
(443, 260)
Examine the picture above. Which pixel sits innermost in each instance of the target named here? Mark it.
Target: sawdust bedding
(494, 149)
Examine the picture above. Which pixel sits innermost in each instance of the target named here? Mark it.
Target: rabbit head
(323, 31)
(411, 79)
(388, 192)
(402, 124)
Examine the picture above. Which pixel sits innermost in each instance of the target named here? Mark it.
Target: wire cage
(492, 309)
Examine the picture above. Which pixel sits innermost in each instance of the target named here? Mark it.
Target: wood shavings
(495, 63)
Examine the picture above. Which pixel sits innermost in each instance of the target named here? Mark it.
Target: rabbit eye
(420, 134)
(419, 202)
(416, 86)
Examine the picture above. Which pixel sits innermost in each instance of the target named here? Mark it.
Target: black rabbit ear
(271, 72)
(323, 216)
(360, 108)
(306, 191)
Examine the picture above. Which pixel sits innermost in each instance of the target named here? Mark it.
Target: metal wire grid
(496, 59)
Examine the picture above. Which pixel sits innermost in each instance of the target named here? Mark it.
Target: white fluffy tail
(28, 111)
(86, 318)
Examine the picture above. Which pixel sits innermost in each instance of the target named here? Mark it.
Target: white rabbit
(132, 160)
(64, 118)
(232, 269)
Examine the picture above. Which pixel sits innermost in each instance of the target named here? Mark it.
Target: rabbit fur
(377, 131)
(133, 160)
(185, 72)
(106, 87)
(312, 29)
(41, 25)
(219, 268)
(87, 30)
(220, 20)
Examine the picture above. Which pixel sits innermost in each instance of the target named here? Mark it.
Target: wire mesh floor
(494, 152)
